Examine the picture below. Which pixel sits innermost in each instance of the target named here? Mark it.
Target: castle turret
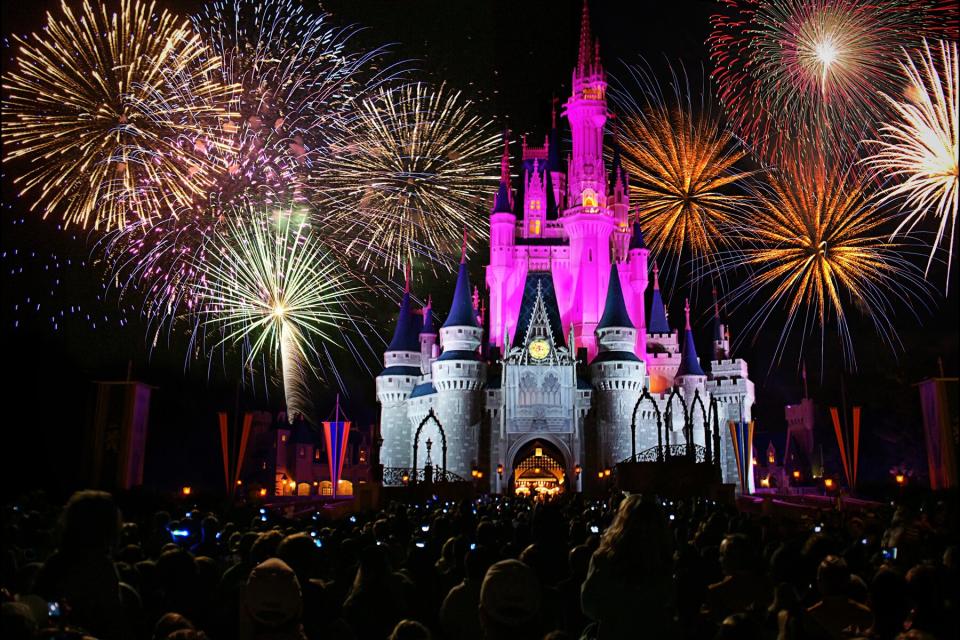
(587, 220)
(617, 373)
(428, 338)
(619, 203)
(637, 262)
(663, 348)
(394, 384)
(502, 225)
(721, 339)
(558, 179)
(458, 376)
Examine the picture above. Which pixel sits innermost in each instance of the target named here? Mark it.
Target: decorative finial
(583, 59)
(716, 303)
(554, 101)
(407, 276)
(656, 276)
(686, 311)
(476, 296)
(463, 247)
(505, 159)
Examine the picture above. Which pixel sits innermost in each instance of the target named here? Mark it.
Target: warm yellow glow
(239, 482)
(499, 469)
(293, 484)
(599, 474)
(535, 227)
(827, 52)
(263, 492)
(900, 478)
(796, 475)
(765, 482)
(538, 452)
(589, 198)
(186, 491)
(828, 483)
(606, 472)
(536, 469)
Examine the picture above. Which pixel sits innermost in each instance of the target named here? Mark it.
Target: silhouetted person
(836, 611)
(510, 602)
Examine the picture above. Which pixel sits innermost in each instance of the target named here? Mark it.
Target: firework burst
(105, 111)
(918, 150)
(681, 161)
(297, 80)
(267, 285)
(815, 246)
(412, 170)
(803, 75)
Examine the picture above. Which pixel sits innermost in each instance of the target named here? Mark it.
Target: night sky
(511, 57)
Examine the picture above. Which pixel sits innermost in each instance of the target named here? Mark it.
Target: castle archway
(539, 466)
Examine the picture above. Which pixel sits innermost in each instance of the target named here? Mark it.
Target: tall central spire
(585, 58)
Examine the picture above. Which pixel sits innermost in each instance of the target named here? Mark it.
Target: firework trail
(802, 77)
(413, 169)
(269, 286)
(815, 247)
(918, 149)
(104, 111)
(682, 162)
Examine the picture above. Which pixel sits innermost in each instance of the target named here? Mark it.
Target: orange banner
(856, 443)
(224, 449)
(835, 416)
(244, 436)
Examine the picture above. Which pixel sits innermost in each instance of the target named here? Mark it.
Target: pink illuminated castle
(501, 396)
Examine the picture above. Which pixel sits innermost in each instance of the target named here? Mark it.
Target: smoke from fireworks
(814, 246)
(105, 110)
(919, 148)
(412, 171)
(681, 162)
(802, 75)
(268, 285)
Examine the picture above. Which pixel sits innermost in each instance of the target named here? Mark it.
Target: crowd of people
(493, 568)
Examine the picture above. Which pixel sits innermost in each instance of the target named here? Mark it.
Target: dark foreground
(494, 568)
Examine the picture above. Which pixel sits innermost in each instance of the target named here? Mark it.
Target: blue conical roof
(501, 202)
(689, 362)
(461, 309)
(406, 334)
(615, 310)
(636, 240)
(658, 314)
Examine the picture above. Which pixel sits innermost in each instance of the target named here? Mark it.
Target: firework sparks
(815, 245)
(919, 149)
(106, 112)
(267, 284)
(297, 80)
(803, 75)
(682, 166)
(412, 171)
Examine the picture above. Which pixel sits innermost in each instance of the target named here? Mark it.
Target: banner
(849, 465)
(244, 437)
(336, 434)
(224, 447)
(741, 435)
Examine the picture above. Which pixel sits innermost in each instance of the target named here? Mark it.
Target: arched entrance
(538, 469)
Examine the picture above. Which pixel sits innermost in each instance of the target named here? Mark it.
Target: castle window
(301, 452)
(535, 205)
(283, 438)
(589, 197)
(535, 227)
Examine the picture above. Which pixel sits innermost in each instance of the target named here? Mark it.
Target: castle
(500, 397)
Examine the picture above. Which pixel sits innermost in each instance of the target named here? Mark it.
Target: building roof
(658, 313)
(636, 240)
(461, 309)
(423, 389)
(542, 282)
(400, 370)
(614, 310)
(553, 211)
(458, 354)
(616, 356)
(428, 326)
(407, 332)
(501, 202)
(689, 362)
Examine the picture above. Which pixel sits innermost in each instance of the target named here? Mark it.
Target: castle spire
(658, 314)
(717, 323)
(615, 309)
(505, 158)
(406, 334)
(461, 309)
(689, 362)
(585, 58)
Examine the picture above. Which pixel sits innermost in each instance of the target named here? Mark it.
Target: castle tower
(691, 378)
(731, 387)
(557, 177)
(400, 374)
(721, 338)
(587, 221)
(800, 424)
(428, 339)
(502, 225)
(663, 349)
(458, 376)
(620, 207)
(618, 375)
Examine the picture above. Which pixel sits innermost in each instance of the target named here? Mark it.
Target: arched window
(589, 198)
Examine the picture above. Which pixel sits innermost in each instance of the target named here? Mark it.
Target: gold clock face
(539, 349)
